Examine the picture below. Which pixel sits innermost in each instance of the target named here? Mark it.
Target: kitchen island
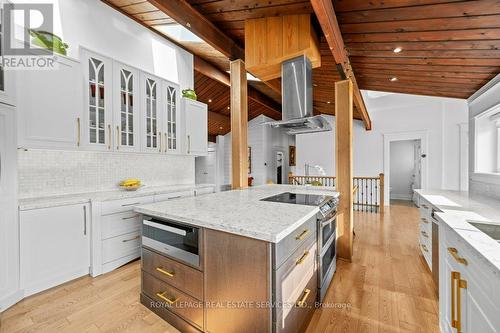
(230, 262)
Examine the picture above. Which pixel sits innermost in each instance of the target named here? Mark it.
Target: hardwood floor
(387, 289)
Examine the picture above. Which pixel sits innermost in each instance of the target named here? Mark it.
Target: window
(487, 141)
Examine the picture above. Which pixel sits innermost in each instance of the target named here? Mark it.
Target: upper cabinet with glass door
(171, 121)
(151, 135)
(97, 122)
(126, 115)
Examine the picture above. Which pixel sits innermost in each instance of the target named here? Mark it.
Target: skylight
(179, 33)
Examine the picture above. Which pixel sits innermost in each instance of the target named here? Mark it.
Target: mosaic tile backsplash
(50, 172)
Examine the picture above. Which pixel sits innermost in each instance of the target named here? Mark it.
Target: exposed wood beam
(239, 125)
(328, 21)
(209, 70)
(183, 13)
(343, 144)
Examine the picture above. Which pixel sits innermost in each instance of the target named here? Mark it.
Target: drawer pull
(425, 206)
(131, 204)
(424, 220)
(163, 271)
(303, 258)
(302, 302)
(131, 217)
(176, 197)
(169, 301)
(424, 234)
(454, 253)
(424, 247)
(302, 235)
(131, 239)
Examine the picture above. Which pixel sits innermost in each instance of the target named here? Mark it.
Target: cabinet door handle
(160, 145)
(169, 301)
(189, 144)
(424, 220)
(131, 217)
(131, 239)
(454, 253)
(454, 276)
(130, 204)
(424, 247)
(302, 235)
(424, 234)
(165, 272)
(177, 197)
(302, 302)
(85, 220)
(78, 131)
(109, 137)
(118, 141)
(302, 259)
(166, 145)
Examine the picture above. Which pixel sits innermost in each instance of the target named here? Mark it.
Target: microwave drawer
(289, 244)
(185, 278)
(185, 306)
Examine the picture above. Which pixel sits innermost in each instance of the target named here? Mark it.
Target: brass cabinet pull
(424, 247)
(169, 301)
(453, 298)
(454, 253)
(159, 137)
(424, 234)
(118, 143)
(302, 302)
(303, 258)
(424, 220)
(131, 239)
(163, 271)
(78, 131)
(302, 235)
(456, 300)
(109, 136)
(131, 217)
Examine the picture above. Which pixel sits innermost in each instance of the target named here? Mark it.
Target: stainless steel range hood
(297, 99)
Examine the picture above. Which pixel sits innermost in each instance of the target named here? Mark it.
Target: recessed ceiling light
(228, 108)
(393, 79)
(328, 102)
(315, 85)
(221, 127)
(209, 101)
(397, 50)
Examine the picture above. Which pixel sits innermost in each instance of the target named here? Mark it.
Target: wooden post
(343, 132)
(382, 192)
(239, 125)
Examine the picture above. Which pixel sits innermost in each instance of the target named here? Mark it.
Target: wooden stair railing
(368, 191)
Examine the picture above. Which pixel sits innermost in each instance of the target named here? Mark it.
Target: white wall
(402, 168)
(394, 113)
(487, 98)
(100, 28)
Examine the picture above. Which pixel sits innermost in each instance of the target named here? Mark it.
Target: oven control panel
(328, 206)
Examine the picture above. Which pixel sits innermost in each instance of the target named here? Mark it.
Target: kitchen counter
(76, 198)
(457, 208)
(241, 212)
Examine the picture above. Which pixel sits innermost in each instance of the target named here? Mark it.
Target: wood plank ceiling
(449, 47)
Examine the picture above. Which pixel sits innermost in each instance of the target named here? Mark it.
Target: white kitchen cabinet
(126, 106)
(97, 129)
(50, 106)
(151, 113)
(196, 127)
(171, 118)
(469, 290)
(9, 237)
(54, 246)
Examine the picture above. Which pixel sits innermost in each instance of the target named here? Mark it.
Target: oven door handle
(165, 227)
(327, 222)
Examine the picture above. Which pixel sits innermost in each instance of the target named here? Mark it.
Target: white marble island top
(241, 212)
(458, 208)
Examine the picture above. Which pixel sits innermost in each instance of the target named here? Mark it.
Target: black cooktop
(299, 199)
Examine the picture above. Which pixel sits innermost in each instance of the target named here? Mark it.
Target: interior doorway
(279, 167)
(406, 168)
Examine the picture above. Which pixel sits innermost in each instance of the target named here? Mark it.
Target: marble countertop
(457, 208)
(77, 198)
(241, 212)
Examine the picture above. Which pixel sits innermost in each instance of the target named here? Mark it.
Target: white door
(9, 238)
(54, 246)
(126, 114)
(50, 106)
(171, 118)
(196, 124)
(205, 168)
(151, 102)
(97, 122)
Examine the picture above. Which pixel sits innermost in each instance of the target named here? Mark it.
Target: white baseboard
(396, 196)
(9, 300)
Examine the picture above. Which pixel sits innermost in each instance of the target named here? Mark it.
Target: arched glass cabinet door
(172, 114)
(151, 116)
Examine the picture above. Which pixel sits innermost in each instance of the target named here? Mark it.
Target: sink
(491, 229)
